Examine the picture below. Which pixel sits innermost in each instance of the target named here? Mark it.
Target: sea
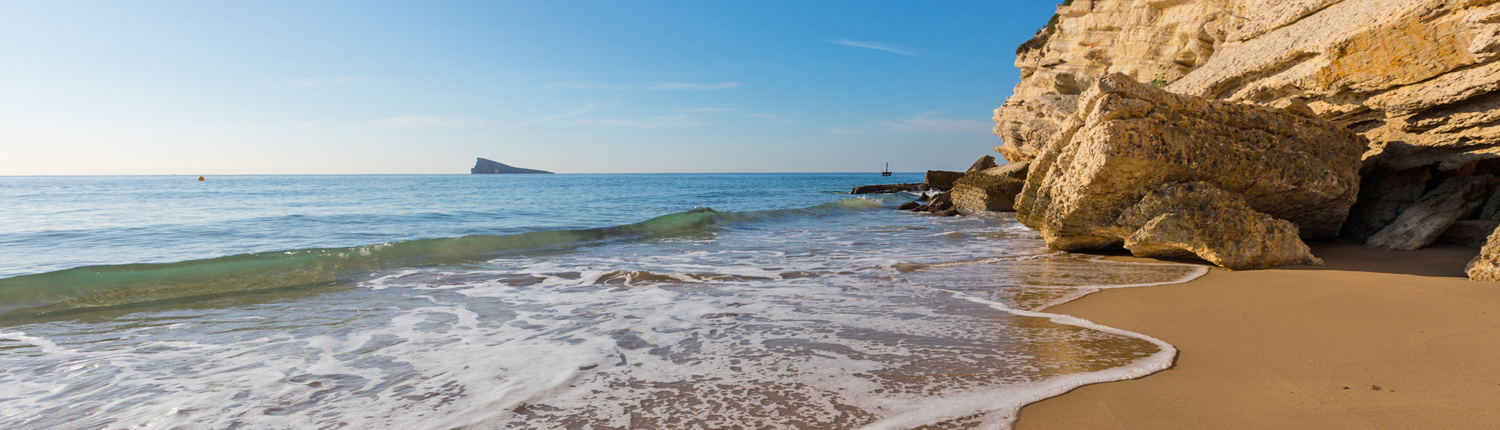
(569, 301)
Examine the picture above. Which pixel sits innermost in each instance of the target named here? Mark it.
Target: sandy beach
(1374, 339)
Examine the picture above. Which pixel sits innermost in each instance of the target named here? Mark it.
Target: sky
(374, 87)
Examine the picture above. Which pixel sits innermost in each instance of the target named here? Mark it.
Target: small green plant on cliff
(1040, 39)
(1161, 77)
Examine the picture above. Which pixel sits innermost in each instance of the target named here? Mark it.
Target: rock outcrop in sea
(886, 188)
(941, 180)
(940, 204)
(491, 166)
(1419, 79)
(990, 187)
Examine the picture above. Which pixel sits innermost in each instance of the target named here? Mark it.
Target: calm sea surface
(534, 301)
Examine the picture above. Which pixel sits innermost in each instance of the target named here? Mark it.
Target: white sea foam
(46, 346)
(813, 323)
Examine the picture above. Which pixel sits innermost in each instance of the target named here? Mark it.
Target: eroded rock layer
(1419, 78)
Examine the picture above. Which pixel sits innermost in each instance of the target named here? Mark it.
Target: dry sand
(1375, 339)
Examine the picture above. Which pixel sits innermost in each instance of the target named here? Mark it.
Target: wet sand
(1375, 339)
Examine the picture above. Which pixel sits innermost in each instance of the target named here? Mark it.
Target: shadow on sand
(1439, 260)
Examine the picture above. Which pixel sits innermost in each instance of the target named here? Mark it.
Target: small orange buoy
(200, 178)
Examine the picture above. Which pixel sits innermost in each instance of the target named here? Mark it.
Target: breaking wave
(108, 286)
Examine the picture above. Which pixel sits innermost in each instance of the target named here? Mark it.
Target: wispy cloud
(574, 112)
(413, 121)
(773, 117)
(845, 131)
(665, 121)
(679, 86)
(871, 45)
(708, 110)
(925, 122)
(337, 80)
(928, 122)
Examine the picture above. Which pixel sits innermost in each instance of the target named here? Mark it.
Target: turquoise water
(54, 223)
(533, 301)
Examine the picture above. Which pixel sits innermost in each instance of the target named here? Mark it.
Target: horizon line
(431, 174)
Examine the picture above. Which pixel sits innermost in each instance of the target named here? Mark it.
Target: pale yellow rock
(1486, 265)
(1198, 219)
(1128, 139)
(1142, 39)
(1418, 78)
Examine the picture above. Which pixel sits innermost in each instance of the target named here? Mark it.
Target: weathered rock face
(1198, 219)
(1128, 139)
(993, 189)
(1014, 170)
(1437, 210)
(1486, 266)
(491, 166)
(941, 179)
(1419, 78)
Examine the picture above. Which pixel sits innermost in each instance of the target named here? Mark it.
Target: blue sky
(264, 87)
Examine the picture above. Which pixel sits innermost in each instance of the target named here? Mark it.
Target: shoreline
(1412, 339)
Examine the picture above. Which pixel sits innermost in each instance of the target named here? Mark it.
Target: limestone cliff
(1418, 78)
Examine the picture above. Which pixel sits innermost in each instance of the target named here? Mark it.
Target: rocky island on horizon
(487, 166)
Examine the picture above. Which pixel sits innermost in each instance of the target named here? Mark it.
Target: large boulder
(1422, 223)
(993, 189)
(1383, 196)
(1198, 219)
(941, 179)
(1128, 139)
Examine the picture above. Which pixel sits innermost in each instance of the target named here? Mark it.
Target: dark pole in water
(887, 171)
